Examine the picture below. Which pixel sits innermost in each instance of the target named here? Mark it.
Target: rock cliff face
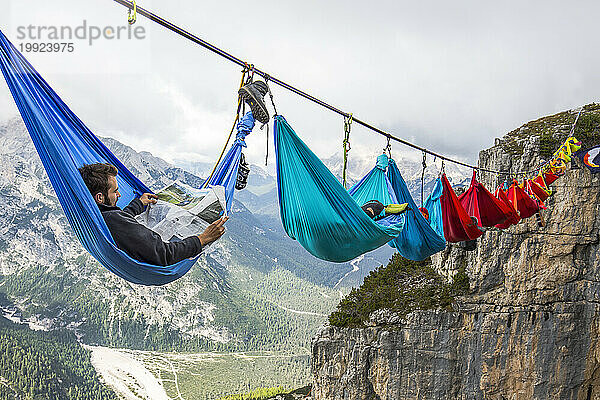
(530, 327)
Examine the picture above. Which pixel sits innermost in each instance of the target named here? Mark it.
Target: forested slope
(46, 365)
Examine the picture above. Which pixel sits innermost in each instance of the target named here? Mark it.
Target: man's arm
(137, 206)
(145, 245)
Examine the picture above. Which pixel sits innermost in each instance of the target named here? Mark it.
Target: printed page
(183, 211)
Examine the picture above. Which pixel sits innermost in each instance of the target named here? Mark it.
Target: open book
(183, 211)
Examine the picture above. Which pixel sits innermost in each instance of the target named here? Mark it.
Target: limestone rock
(528, 330)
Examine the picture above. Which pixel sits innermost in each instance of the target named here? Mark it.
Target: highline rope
(182, 32)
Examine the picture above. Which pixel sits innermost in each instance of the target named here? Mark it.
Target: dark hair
(96, 177)
(373, 208)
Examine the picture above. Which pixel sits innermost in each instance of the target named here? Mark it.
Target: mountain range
(255, 289)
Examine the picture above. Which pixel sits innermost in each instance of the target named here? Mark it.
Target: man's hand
(213, 231)
(148, 198)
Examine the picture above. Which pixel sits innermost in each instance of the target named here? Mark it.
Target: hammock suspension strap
(423, 176)
(576, 119)
(250, 71)
(574, 161)
(132, 17)
(346, 145)
(388, 148)
(235, 121)
(267, 77)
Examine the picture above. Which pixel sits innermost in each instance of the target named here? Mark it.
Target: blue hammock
(433, 204)
(226, 172)
(316, 209)
(64, 144)
(418, 240)
(376, 186)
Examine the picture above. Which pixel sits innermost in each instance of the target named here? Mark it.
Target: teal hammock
(375, 185)
(315, 208)
(418, 240)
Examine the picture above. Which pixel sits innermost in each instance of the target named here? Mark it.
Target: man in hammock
(376, 210)
(133, 238)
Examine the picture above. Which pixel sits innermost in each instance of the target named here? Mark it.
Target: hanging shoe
(253, 94)
(469, 245)
(242, 175)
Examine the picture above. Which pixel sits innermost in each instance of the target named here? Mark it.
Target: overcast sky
(450, 76)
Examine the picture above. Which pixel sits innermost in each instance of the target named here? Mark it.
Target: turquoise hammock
(64, 144)
(418, 240)
(315, 208)
(376, 186)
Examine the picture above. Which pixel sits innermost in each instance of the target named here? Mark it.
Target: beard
(107, 202)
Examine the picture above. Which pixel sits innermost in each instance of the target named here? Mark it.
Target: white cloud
(449, 76)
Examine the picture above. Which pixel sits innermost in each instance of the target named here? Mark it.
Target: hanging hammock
(226, 172)
(480, 203)
(315, 208)
(433, 205)
(521, 201)
(540, 180)
(375, 185)
(508, 209)
(537, 190)
(550, 177)
(418, 240)
(458, 226)
(64, 144)
(528, 188)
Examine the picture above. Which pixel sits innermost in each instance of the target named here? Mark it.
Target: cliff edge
(529, 327)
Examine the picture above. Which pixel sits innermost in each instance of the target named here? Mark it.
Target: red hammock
(458, 226)
(537, 190)
(545, 179)
(549, 177)
(521, 201)
(479, 202)
(508, 208)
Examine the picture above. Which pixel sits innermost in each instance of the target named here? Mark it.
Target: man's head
(373, 208)
(101, 180)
